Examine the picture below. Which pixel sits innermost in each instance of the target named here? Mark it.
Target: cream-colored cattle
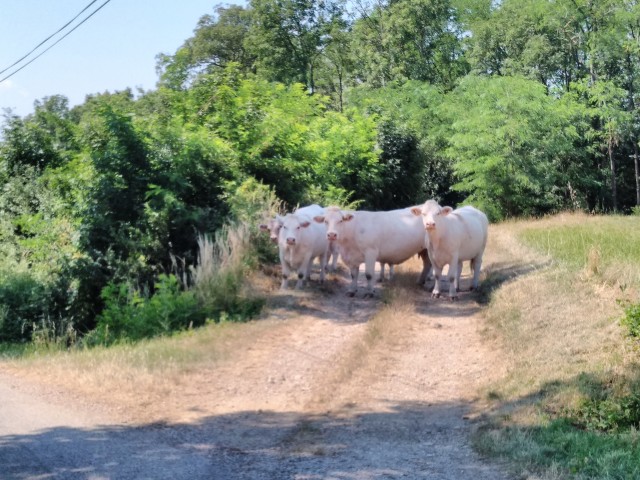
(390, 237)
(454, 236)
(300, 241)
(273, 225)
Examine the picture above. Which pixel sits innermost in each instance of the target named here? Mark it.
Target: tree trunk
(614, 185)
(635, 161)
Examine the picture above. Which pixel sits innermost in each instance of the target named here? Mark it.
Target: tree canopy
(520, 107)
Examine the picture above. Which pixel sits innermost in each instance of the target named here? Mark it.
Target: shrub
(252, 203)
(219, 276)
(133, 315)
(610, 414)
(24, 301)
(631, 318)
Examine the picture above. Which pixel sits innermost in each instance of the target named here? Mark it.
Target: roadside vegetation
(565, 312)
(134, 215)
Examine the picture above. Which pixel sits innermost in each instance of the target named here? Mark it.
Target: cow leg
(476, 263)
(323, 265)
(369, 271)
(351, 291)
(454, 268)
(332, 254)
(457, 284)
(286, 271)
(437, 273)
(426, 268)
(304, 271)
(381, 279)
(307, 271)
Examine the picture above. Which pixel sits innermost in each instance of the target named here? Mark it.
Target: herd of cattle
(439, 235)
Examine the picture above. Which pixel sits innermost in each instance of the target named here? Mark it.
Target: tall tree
(409, 40)
(288, 37)
(218, 40)
(506, 137)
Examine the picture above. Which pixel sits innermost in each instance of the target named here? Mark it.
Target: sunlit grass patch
(555, 414)
(605, 246)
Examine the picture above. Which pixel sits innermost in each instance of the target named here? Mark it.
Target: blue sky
(113, 50)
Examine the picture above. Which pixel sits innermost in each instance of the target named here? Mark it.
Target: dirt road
(335, 388)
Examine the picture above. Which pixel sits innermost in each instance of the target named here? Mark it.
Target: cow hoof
(453, 299)
(368, 295)
(351, 294)
(435, 295)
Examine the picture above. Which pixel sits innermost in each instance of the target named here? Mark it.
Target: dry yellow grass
(558, 326)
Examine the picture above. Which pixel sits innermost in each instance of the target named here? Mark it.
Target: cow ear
(279, 219)
(263, 227)
(347, 216)
(319, 218)
(305, 224)
(446, 210)
(417, 211)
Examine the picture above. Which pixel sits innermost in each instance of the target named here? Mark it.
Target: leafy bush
(631, 318)
(24, 301)
(133, 315)
(610, 414)
(253, 203)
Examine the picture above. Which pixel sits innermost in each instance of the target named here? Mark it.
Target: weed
(631, 318)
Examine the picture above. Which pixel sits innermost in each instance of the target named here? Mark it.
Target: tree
(409, 40)
(45, 138)
(506, 138)
(615, 124)
(288, 37)
(218, 40)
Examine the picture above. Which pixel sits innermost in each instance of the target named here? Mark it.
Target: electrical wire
(55, 43)
(48, 38)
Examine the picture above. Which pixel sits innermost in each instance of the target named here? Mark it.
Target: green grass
(559, 450)
(602, 245)
(567, 407)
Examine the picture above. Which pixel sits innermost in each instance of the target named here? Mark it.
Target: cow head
(272, 227)
(291, 227)
(333, 218)
(431, 213)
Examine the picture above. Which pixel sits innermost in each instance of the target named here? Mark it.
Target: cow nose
(274, 238)
(332, 236)
(429, 225)
(291, 241)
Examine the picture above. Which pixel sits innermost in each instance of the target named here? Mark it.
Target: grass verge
(553, 288)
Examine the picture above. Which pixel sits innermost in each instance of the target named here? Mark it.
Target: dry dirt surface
(334, 388)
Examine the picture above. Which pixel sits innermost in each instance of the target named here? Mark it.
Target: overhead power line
(48, 38)
(55, 43)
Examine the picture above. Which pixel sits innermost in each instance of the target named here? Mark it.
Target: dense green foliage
(520, 107)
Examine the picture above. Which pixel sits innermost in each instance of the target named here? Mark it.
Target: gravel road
(313, 398)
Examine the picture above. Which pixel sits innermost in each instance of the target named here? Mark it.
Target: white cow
(390, 237)
(273, 226)
(299, 242)
(454, 237)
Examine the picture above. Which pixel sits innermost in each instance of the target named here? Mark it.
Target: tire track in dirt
(332, 388)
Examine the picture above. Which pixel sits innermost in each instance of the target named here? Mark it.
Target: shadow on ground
(404, 441)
